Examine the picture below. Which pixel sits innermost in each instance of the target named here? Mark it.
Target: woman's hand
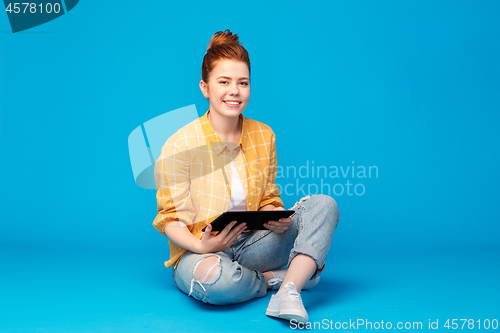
(222, 241)
(281, 225)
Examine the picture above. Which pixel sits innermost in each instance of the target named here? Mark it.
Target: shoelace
(279, 277)
(294, 295)
(275, 281)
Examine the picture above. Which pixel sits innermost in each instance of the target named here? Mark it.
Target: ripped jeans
(236, 275)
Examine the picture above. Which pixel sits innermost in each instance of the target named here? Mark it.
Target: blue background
(410, 87)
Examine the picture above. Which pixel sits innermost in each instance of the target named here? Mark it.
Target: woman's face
(228, 88)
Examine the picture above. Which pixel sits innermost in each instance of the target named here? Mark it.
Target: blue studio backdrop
(390, 107)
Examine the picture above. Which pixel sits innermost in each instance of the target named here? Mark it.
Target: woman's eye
(223, 82)
(244, 83)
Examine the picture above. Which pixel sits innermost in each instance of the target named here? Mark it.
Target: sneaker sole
(288, 315)
(272, 313)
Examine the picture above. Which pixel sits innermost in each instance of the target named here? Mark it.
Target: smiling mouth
(232, 102)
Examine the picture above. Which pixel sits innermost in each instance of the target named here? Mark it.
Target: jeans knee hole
(207, 271)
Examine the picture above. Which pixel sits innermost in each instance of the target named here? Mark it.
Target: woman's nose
(234, 90)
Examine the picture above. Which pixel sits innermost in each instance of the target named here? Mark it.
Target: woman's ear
(204, 88)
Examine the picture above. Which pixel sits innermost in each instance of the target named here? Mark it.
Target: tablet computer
(254, 220)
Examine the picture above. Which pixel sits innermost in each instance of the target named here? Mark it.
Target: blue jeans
(241, 266)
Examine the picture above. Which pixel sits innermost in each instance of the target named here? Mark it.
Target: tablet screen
(254, 220)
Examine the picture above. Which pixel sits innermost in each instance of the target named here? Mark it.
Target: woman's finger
(226, 230)
(240, 229)
(207, 233)
(277, 226)
(279, 223)
(236, 230)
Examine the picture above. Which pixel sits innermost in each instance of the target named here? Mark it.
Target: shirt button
(239, 169)
(246, 186)
(249, 203)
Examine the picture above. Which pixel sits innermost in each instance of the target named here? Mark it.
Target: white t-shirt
(238, 197)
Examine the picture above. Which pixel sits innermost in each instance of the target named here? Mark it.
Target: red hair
(223, 45)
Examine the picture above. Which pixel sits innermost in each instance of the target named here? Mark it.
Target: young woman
(224, 161)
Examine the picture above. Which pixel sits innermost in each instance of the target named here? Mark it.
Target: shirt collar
(217, 145)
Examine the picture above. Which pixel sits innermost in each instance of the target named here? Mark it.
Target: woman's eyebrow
(228, 78)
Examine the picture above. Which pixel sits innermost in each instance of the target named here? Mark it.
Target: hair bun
(223, 37)
(223, 45)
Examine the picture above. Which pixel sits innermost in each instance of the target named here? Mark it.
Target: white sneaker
(287, 304)
(279, 276)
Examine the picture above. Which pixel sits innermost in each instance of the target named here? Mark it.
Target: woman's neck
(228, 129)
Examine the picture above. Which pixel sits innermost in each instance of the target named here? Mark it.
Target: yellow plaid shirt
(193, 175)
